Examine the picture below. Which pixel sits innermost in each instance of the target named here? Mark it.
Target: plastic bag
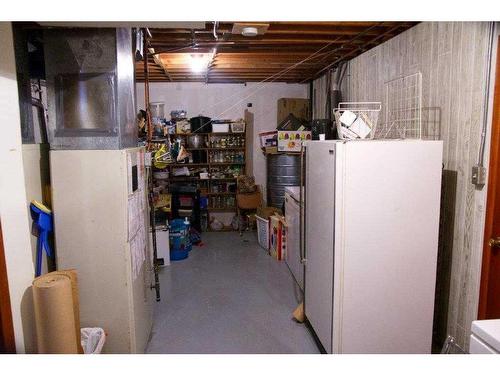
(216, 224)
(93, 340)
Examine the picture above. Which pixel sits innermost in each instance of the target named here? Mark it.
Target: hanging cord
(270, 79)
(149, 125)
(215, 30)
(273, 77)
(149, 143)
(357, 36)
(262, 84)
(176, 49)
(328, 105)
(480, 160)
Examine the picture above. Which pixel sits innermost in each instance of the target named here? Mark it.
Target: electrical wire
(260, 85)
(275, 76)
(264, 83)
(192, 45)
(215, 30)
(489, 54)
(279, 74)
(341, 47)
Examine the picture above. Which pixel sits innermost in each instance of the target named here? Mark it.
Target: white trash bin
(93, 340)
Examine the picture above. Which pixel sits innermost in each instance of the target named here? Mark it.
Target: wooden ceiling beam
(256, 42)
(360, 49)
(278, 53)
(346, 28)
(276, 49)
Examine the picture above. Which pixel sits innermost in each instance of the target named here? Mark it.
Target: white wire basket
(357, 120)
(403, 108)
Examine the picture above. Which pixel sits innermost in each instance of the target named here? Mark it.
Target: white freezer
(485, 337)
(100, 210)
(371, 232)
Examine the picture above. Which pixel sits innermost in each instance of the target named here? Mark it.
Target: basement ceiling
(291, 52)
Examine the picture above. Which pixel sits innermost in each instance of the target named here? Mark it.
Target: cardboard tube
(72, 274)
(54, 314)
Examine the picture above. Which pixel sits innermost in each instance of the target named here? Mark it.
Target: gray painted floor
(229, 296)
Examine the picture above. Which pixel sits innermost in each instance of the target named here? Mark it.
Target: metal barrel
(282, 170)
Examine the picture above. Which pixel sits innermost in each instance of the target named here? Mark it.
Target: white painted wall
(13, 213)
(227, 101)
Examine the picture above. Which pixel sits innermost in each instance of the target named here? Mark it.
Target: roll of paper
(72, 274)
(54, 314)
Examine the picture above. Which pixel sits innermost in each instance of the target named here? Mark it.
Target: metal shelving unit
(206, 185)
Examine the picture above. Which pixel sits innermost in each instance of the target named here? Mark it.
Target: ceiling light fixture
(198, 63)
(249, 31)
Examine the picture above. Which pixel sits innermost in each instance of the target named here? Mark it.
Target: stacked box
(291, 141)
(277, 230)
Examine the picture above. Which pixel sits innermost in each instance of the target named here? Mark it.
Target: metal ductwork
(91, 88)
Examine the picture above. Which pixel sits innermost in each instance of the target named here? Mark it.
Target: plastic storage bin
(263, 232)
(92, 340)
(220, 128)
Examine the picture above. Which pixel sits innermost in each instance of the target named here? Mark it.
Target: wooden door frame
(493, 185)
(7, 341)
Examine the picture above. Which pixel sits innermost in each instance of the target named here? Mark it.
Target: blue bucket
(180, 242)
(178, 255)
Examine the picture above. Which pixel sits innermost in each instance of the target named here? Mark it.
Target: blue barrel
(180, 242)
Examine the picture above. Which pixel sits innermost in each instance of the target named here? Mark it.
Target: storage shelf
(212, 133)
(184, 178)
(180, 178)
(200, 165)
(216, 149)
(213, 168)
(187, 165)
(226, 164)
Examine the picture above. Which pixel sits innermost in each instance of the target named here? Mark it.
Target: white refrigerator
(292, 218)
(100, 221)
(371, 222)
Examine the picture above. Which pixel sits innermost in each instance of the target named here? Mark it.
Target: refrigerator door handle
(302, 209)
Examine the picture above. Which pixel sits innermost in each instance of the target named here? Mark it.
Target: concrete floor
(229, 296)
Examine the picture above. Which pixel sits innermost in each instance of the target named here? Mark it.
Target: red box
(277, 231)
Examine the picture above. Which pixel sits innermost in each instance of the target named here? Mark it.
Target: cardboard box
(277, 233)
(291, 141)
(296, 106)
(293, 123)
(270, 150)
(268, 211)
(268, 139)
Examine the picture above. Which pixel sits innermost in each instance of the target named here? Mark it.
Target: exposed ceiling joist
(281, 51)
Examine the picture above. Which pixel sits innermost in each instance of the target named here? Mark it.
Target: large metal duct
(91, 89)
